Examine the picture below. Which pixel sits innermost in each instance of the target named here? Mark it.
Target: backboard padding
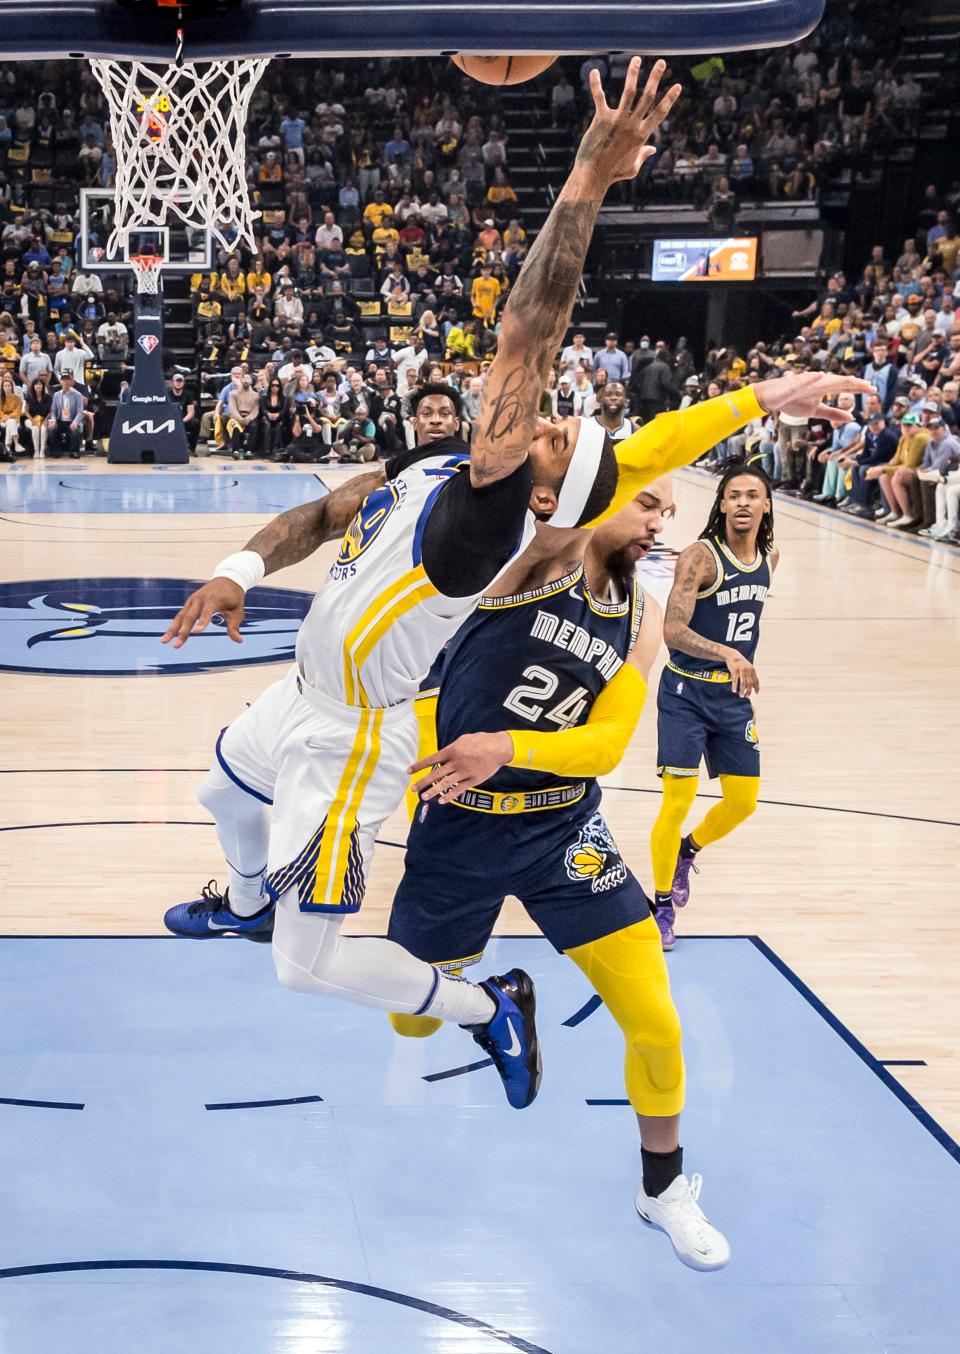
(41, 29)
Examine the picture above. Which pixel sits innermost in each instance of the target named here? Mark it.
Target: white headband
(581, 474)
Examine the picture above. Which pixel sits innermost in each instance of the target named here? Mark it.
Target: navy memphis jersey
(729, 610)
(537, 660)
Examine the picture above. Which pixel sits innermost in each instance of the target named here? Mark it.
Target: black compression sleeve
(472, 532)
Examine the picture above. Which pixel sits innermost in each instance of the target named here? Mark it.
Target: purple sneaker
(681, 880)
(664, 917)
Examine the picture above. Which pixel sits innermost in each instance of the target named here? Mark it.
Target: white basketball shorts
(333, 774)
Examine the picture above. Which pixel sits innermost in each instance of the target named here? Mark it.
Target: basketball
(502, 70)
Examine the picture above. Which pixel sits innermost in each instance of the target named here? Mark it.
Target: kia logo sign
(147, 428)
(148, 342)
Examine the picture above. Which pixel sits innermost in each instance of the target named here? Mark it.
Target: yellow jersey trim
(515, 801)
(717, 675)
(718, 564)
(604, 608)
(409, 589)
(455, 965)
(342, 815)
(744, 568)
(636, 620)
(534, 595)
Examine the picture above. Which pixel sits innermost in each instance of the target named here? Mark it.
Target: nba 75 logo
(594, 856)
(111, 627)
(148, 342)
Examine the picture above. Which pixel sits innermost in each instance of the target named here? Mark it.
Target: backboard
(213, 29)
(183, 249)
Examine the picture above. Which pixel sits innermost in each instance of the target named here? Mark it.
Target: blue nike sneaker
(210, 915)
(510, 1037)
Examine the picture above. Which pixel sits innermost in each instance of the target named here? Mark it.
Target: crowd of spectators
(772, 125)
(897, 460)
(388, 221)
(390, 237)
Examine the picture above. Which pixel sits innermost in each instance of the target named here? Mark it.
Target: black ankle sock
(660, 1169)
(688, 847)
(663, 899)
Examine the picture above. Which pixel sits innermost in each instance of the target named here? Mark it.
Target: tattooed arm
(288, 539)
(697, 569)
(295, 534)
(540, 305)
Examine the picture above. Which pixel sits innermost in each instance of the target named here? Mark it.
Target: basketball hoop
(146, 269)
(178, 134)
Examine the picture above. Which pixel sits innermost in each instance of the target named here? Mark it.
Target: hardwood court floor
(848, 869)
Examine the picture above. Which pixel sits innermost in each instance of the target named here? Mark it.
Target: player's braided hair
(716, 525)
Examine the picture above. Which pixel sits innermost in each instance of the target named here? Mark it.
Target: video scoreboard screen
(731, 260)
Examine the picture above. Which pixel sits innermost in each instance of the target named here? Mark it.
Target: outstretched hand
(614, 146)
(802, 396)
(220, 595)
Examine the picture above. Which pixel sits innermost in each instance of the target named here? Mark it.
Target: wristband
(246, 568)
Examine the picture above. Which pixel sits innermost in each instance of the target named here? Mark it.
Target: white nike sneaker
(677, 1213)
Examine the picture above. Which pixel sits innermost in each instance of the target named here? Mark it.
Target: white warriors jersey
(374, 629)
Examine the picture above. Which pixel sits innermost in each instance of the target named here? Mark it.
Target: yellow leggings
(738, 803)
(629, 972)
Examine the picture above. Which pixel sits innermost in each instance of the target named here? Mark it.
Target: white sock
(311, 956)
(243, 827)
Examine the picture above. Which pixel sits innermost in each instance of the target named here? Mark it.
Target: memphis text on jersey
(745, 592)
(566, 635)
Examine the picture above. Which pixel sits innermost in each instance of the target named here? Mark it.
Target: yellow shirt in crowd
(376, 211)
(484, 293)
(459, 344)
(909, 451)
(255, 280)
(233, 288)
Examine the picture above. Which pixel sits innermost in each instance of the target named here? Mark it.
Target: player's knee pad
(292, 974)
(679, 792)
(315, 976)
(653, 1066)
(414, 1026)
(305, 948)
(629, 972)
(218, 791)
(740, 794)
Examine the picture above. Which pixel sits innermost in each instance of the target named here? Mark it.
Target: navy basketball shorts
(562, 864)
(698, 719)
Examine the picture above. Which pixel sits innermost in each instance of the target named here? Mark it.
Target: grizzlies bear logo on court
(368, 523)
(594, 856)
(111, 627)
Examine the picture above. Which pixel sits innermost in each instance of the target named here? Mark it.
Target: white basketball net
(178, 134)
(146, 269)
